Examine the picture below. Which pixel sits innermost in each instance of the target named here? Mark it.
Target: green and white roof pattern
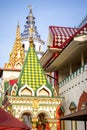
(32, 73)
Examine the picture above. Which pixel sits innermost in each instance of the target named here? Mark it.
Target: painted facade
(66, 60)
(31, 98)
(26, 91)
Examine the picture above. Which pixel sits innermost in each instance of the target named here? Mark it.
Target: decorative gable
(9, 65)
(26, 90)
(18, 65)
(44, 91)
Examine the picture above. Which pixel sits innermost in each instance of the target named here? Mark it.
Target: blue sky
(47, 12)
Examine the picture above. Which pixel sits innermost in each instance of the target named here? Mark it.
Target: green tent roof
(32, 72)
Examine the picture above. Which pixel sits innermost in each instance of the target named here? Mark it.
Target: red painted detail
(82, 100)
(9, 122)
(58, 115)
(56, 77)
(63, 35)
(12, 82)
(47, 126)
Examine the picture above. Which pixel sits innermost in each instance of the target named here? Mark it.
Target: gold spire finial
(31, 30)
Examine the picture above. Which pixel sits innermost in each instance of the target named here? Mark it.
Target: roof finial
(31, 30)
(30, 7)
(18, 31)
(30, 13)
(18, 22)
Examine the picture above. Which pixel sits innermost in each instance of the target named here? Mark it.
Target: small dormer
(44, 91)
(18, 65)
(26, 90)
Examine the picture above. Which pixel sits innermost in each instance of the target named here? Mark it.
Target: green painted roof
(32, 72)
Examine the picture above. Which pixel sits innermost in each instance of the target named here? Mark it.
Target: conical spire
(30, 22)
(17, 55)
(30, 18)
(32, 73)
(30, 13)
(18, 37)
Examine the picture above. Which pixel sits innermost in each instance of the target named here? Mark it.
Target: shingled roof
(58, 39)
(63, 35)
(32, 72)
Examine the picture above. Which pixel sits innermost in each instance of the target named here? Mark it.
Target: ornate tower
(30, 23)
(12, 69)
(17, 55)
(32, 97)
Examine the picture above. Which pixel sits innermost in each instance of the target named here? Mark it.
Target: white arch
(26, 111)
(26, 86)
(44, 87)
(44, 112)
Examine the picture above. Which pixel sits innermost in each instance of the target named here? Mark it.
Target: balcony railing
(75, 75)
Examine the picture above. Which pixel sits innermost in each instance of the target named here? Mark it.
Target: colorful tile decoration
(17, 54)
(32, 73)
(63, 35)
